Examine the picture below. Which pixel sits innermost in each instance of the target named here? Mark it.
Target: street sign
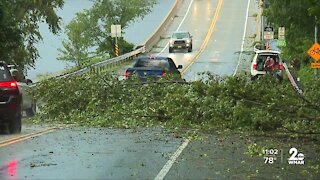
(268, 28)
(268, 33)
(281, 33)
(116, 30)
(281, 43)
(314, 51)
(315, 65)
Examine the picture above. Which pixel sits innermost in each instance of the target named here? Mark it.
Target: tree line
(20, 19)
(88, 34)
(19, 29)
(299, 19)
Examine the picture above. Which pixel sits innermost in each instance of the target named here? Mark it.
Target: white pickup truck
(180, 40)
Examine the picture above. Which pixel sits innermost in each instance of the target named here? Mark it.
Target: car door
(23, 88)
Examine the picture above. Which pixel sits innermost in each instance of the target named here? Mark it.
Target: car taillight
(163, 73)
(254, 66)
(10, 85)
(280, 66)
(127, 73)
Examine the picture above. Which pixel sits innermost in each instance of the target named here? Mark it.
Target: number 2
(293, 152)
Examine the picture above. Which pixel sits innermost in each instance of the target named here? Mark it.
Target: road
(114, 154)
(67, 152)
(218, 30)
(86, 153)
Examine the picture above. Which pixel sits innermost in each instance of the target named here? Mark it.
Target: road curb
(259, 15)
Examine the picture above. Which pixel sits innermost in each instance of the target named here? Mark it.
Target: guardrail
(146, 47)
(105, 63)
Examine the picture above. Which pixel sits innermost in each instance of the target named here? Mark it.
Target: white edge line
(243, 38)
(164, 171)
(184, 18)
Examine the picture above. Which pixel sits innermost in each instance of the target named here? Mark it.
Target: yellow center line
(208, 36)
(25, 137)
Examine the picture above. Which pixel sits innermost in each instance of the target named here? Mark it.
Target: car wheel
(170, 50)
(190, 49)
(32, 110)
(15, 124)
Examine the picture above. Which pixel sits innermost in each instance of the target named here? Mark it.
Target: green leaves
(89, 32)
(298, 17)
(233, 103)
(19, 30)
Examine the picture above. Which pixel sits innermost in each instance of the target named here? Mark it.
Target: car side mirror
(179, 67)
(29, 81)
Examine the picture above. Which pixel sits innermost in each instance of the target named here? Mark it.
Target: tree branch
(299, 132)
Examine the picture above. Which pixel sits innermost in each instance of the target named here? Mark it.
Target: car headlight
(188, 41)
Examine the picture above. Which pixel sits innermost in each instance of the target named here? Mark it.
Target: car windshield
(180, 35)
(163, 63)
(4, 74)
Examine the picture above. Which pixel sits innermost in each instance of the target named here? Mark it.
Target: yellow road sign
(315, 65)
(314, 51)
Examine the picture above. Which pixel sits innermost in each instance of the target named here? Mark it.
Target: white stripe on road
(243, 38)
(164, 171)
(184, 18)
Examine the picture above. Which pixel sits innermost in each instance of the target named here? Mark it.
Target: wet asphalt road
(196, 17)
(219, 55)
(101, 153)
(90, 153)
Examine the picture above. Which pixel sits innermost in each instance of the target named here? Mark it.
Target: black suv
(10, 100)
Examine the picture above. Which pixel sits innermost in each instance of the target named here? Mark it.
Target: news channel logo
(273, 155)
